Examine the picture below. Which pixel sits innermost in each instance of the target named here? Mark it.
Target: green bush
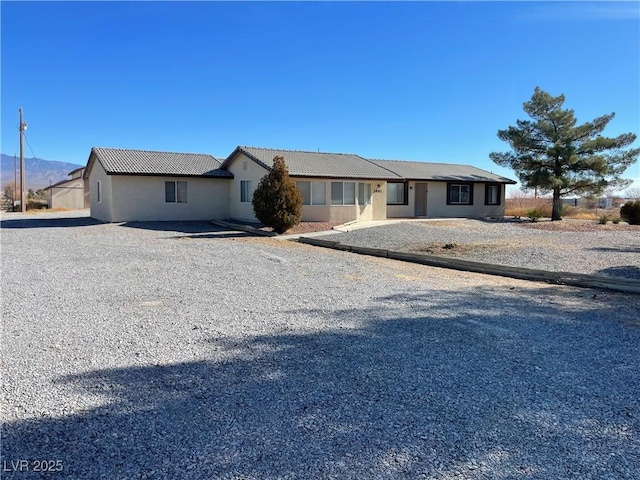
(616, 220)
(277, 202)
(630, 211)
(564, 209)
(535, 214)
(603, 219)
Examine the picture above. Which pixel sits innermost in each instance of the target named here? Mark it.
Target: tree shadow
(624, 271)
(467, 386)
(197, 228)
(49, 222)
(620, 249)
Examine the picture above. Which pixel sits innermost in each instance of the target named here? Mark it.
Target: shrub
(630, 211)
(277, 202)
(535, 214)
(564, 209)
(36, 205)
(616, 220)
(603, 219)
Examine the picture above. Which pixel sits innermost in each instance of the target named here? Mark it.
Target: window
(245, 191)
(364, 194)
(305, 190)
(343, 193)
(492, 195)
(99, 191)
(313, 193)
(175, 192)
(318, 193)
(459, 194)
(396, 194)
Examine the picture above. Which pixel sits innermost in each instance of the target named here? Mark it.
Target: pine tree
(553, 154)
(277, 202)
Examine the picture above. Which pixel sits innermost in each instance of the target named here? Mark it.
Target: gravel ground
(177, 350)
(569, 246)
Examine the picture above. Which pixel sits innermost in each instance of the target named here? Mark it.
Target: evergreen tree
(554, 154)
(277, 202)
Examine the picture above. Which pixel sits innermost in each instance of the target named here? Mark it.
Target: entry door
(421, 200)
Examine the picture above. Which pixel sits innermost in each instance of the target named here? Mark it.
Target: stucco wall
(143, 198)
(243, 169)
(68, 195)
(437, 203)
(376, 210)
(401, 211)
(102, 210)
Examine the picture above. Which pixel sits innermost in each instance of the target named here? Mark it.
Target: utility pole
(15, 183)
(23, 127)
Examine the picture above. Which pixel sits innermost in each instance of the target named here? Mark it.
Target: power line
(36, 158)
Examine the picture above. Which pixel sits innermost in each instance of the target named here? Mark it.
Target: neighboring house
(129, 185)
(141, 185)
(443, 190)
(72, 194)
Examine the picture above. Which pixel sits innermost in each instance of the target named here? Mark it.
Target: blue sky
(429, 81)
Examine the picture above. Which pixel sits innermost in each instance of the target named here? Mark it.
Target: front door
(421, 200)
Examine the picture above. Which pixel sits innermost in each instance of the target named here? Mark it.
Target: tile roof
(118, 161)
(440, 171)
(317, 164)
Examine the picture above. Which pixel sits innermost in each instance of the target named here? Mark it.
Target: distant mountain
(39, 173)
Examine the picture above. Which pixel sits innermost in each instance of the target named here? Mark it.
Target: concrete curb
(619, 284)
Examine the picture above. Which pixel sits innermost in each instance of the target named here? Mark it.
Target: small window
(175, 192)
(99, 191)
(343, 193)
(170, 192)
(396, 194)
(364, 193)
(492, 195)
(459, 194)
(245, 191)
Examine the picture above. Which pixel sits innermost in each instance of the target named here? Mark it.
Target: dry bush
(579, 213)
(518, 207)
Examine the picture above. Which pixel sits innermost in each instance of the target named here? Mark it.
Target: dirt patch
(457, 250)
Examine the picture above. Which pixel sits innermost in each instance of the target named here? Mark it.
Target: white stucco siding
(101, 208)
(243, 169)
(142, 198)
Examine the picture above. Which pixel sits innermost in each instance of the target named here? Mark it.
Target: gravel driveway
(182, 351)
(569, 246)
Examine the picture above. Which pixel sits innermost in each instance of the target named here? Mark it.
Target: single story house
(72, 194)
(128, 185)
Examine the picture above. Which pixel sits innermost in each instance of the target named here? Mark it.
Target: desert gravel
(569, 246)
(178, 350)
